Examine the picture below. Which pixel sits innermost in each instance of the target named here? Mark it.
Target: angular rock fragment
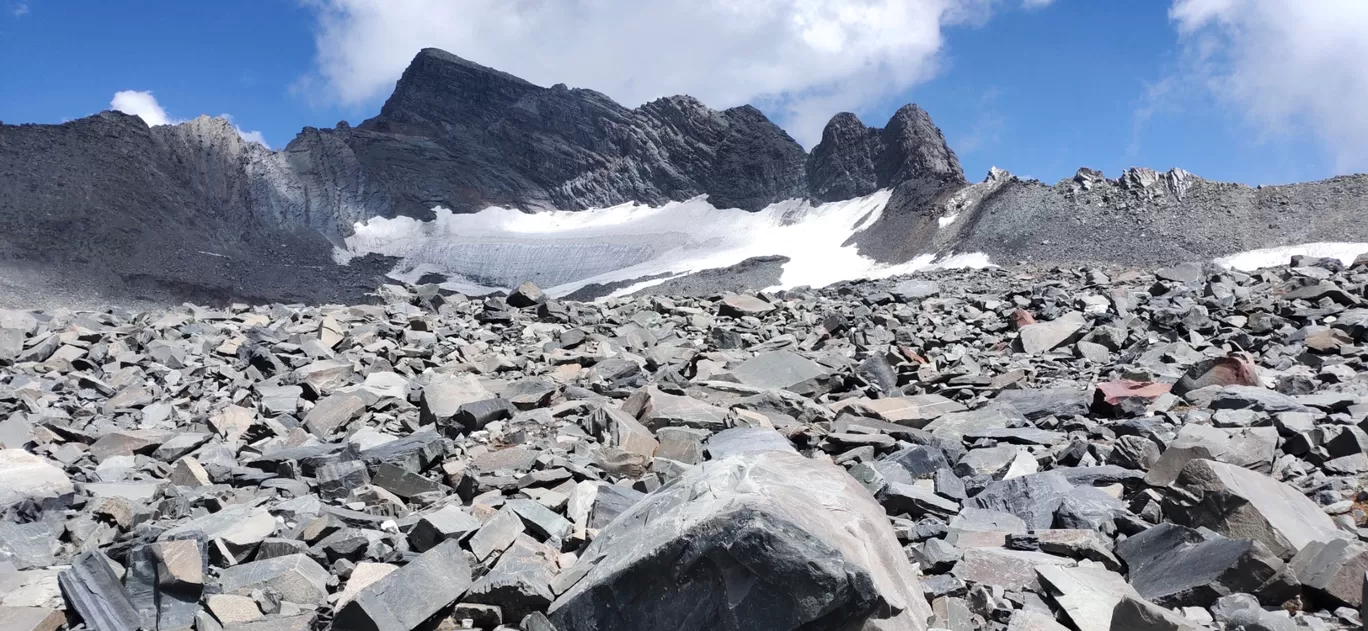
(1087, 594)
(780, 370)
(451, 522)
(741, 305)
(778, 524)
(1333, 569)
(93, 590)
(403, 599)
(296, 577)
(1009, 569)
(332, 412)
(1033, 498)
(1042, 337)
(31, 619)
(1237, 502)
(1176, 566)
(526, 295)
(25, 477)
(1137, 614)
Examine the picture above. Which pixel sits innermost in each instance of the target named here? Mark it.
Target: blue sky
(1038, 87)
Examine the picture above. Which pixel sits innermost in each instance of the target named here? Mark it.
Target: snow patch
(1273, 257)
(947, 220)
(497, 248)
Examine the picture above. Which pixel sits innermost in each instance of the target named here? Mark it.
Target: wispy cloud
(1158, 97)
(815, 57)
(1289, 69)
(1031, 5)
(20, 9)
(144, 105)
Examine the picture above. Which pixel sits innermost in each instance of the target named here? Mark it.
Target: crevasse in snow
(498, 248)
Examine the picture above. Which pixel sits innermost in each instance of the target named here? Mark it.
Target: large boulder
(1237, 502)
(765, 541)
(24, 476)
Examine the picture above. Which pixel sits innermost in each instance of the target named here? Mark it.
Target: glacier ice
(498, 248)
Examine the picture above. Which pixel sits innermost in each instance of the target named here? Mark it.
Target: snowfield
(562, 251)
(1273, 257)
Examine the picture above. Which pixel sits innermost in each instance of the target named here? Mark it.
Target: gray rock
(404, 483)
(405, 598)
(1236, 501)
(1046, 336)
(31, 545)
(766, 524)
(332, 412)
(904, 498)
(1176, 566)
(1061, 402)
(745, 440)
(611, 501)
(297, 577)
(444, 395)
(92, 589)
(1009, 569)
(31, 619)
(682, 444)
(1333, 569)
(1089, 595)
(24, 477)
(1034, 498)
(496, 534)
(519, 585)
(741, 305)
(337, 480)
(915, 289)
(1137, 614)
(780, 370)
(451, 522)
(526, 295)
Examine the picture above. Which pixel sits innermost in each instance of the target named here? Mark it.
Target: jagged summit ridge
(193, 212)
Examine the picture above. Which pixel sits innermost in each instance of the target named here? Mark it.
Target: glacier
(498, 248)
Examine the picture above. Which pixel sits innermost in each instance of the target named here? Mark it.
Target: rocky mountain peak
(853, 160)
(916, 150)
(439, 87)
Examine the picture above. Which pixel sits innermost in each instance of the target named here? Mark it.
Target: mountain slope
(107, 210)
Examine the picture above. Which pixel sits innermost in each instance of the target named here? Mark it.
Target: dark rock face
(500, 140)
(191, 211)
(853, 160)
(105, 209)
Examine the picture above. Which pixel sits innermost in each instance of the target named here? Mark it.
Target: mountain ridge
(191, 211)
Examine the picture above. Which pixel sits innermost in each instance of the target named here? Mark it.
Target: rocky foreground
(1028, 450)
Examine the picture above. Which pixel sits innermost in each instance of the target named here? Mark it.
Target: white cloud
(1288, 67)
(141, 104)
(252, 136)
(1030, 5)
(249, 136)
(21, 9)
(810, 58)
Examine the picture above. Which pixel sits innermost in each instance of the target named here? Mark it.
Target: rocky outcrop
(853, 160)
(1145, 217)
(105, 209)
(192, 211)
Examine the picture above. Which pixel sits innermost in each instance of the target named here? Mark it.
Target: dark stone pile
(1003, 449)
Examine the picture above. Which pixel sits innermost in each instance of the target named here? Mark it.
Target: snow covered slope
(498, 248)
(1252, 260)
